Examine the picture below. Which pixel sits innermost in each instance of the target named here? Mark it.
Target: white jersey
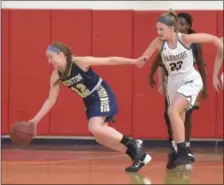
(179, 60)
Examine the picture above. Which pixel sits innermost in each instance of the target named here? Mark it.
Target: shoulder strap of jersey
(161, 49)
(181, 41)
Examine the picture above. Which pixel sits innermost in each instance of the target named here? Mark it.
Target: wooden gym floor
(73, 164)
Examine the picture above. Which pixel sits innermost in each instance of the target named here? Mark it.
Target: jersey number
(81, 90)
(176, 66)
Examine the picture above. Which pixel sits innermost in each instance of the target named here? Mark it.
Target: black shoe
(182, 158)
(135, 148)
(171, 157)
(138, 164)
(190, 155)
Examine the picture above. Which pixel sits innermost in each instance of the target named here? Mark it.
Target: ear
(61, 54)
(172, 28)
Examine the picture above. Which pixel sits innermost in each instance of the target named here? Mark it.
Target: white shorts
(187, 84)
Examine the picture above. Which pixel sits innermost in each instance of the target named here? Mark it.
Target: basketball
(22, 133)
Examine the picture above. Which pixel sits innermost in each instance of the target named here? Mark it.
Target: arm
(161, 76)
(90, 61)
(218, 64)
(201, 68)
(155, 64)
(161, 80)
(205, 38)
(51, 100)
(153, 46)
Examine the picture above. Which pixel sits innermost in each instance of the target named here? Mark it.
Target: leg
(173, 154)
(170, 91)
(167, 120)
(110, 144)
(188, 125)
(113, 139)
(106, 135)
(172, 145)
(186, 92)
(176, 113)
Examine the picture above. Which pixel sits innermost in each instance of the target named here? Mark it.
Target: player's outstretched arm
(92, 61)
(51, 100)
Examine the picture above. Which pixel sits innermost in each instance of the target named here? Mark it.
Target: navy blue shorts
(102, 102)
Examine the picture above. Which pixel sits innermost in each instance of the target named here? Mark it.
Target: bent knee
(96, 125)
(172, 110)
(94, 129)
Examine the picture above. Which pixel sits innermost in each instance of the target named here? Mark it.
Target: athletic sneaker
(138, 164)
(191, 155)
(135, 149)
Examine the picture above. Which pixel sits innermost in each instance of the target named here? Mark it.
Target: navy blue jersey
(97, 95)
(78, 80)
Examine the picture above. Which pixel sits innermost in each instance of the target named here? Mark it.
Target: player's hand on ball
(141, 61)
(33, 124)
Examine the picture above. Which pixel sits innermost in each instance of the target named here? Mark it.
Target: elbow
(217, 42)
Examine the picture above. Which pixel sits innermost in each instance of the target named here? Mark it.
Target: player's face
(56, 59)
(182, 25)
(164, 31)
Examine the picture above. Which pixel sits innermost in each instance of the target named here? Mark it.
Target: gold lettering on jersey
(178, 57)
(81, 90)
(73, 80)
(104, 99)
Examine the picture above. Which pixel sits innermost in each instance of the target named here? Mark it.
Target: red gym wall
(25, 70)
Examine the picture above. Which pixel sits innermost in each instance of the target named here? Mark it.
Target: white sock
(188, 144)
(174, 145)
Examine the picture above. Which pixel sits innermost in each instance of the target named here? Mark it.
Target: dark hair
(67, 52)
(64, 49)
(171, 15)
(189, 20)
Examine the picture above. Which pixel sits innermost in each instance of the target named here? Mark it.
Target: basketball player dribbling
(183, 82)
(100, 102)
